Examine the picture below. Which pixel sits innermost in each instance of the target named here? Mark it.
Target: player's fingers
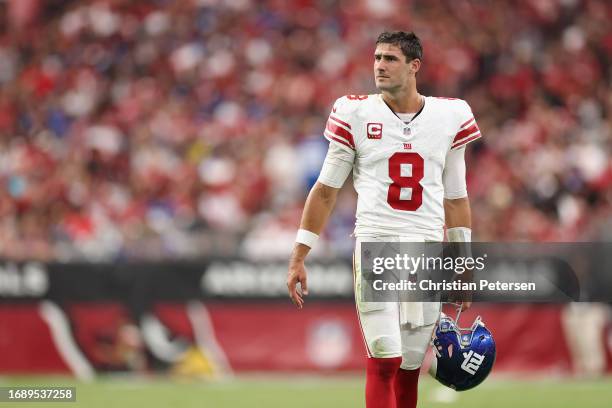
(293, 293)
(297, 300)
(304, 285)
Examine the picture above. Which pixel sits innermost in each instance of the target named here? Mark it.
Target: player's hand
(297, 274)
(463, 297)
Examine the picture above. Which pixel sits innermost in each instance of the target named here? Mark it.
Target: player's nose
(381, 71)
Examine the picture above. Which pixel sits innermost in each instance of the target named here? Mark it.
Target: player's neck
(404, 102)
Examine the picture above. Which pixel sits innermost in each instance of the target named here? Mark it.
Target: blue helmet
(464, 357)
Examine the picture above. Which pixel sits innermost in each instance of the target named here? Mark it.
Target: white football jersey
(397, 166)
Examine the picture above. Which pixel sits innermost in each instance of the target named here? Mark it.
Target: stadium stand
(147, 130)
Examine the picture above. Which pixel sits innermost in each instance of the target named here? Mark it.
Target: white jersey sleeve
(338, 129)
(453, 176)
(468, 130)
(341, 153)
(337, 165)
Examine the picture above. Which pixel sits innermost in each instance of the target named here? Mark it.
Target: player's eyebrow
(385, 56)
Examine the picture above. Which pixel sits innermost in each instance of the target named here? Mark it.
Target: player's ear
(415, 65)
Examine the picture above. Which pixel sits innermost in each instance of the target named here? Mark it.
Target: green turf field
(314, 392)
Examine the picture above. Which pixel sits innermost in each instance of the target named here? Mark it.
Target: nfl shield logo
(407, 131)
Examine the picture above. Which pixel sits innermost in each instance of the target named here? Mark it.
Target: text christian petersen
(444, 285)
(458, 265)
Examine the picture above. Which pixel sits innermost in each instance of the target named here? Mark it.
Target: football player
(406, 151)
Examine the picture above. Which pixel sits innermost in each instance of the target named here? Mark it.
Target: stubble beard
(385, 85)
(389, 88)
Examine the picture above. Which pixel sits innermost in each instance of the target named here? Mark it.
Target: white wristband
(306, 237)
(459, 234)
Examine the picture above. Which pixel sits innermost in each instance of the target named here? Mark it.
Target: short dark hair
(408, 42)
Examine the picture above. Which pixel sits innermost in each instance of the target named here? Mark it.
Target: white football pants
(384, 335)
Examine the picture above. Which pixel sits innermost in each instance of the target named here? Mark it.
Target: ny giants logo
(472, 362)
(374, 130)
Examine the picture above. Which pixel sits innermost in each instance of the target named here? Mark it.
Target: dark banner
(173, 281)
(525, 272)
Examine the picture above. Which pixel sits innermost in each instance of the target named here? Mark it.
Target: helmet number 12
(414, 162)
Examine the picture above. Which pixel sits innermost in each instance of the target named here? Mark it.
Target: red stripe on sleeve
(340, 132)
(466, 132)
(341, 141)
(340, 121)
(464, 141)
(466, 122)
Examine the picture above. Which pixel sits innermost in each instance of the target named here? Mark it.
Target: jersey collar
(395, 114)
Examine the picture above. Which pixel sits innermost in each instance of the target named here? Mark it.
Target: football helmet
(464, 357)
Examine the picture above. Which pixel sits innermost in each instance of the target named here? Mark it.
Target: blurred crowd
(163, 129)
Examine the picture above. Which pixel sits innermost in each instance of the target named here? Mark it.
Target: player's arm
(457, 212)
(319, 205)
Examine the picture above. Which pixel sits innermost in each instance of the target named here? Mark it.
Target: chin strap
(457, 306)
